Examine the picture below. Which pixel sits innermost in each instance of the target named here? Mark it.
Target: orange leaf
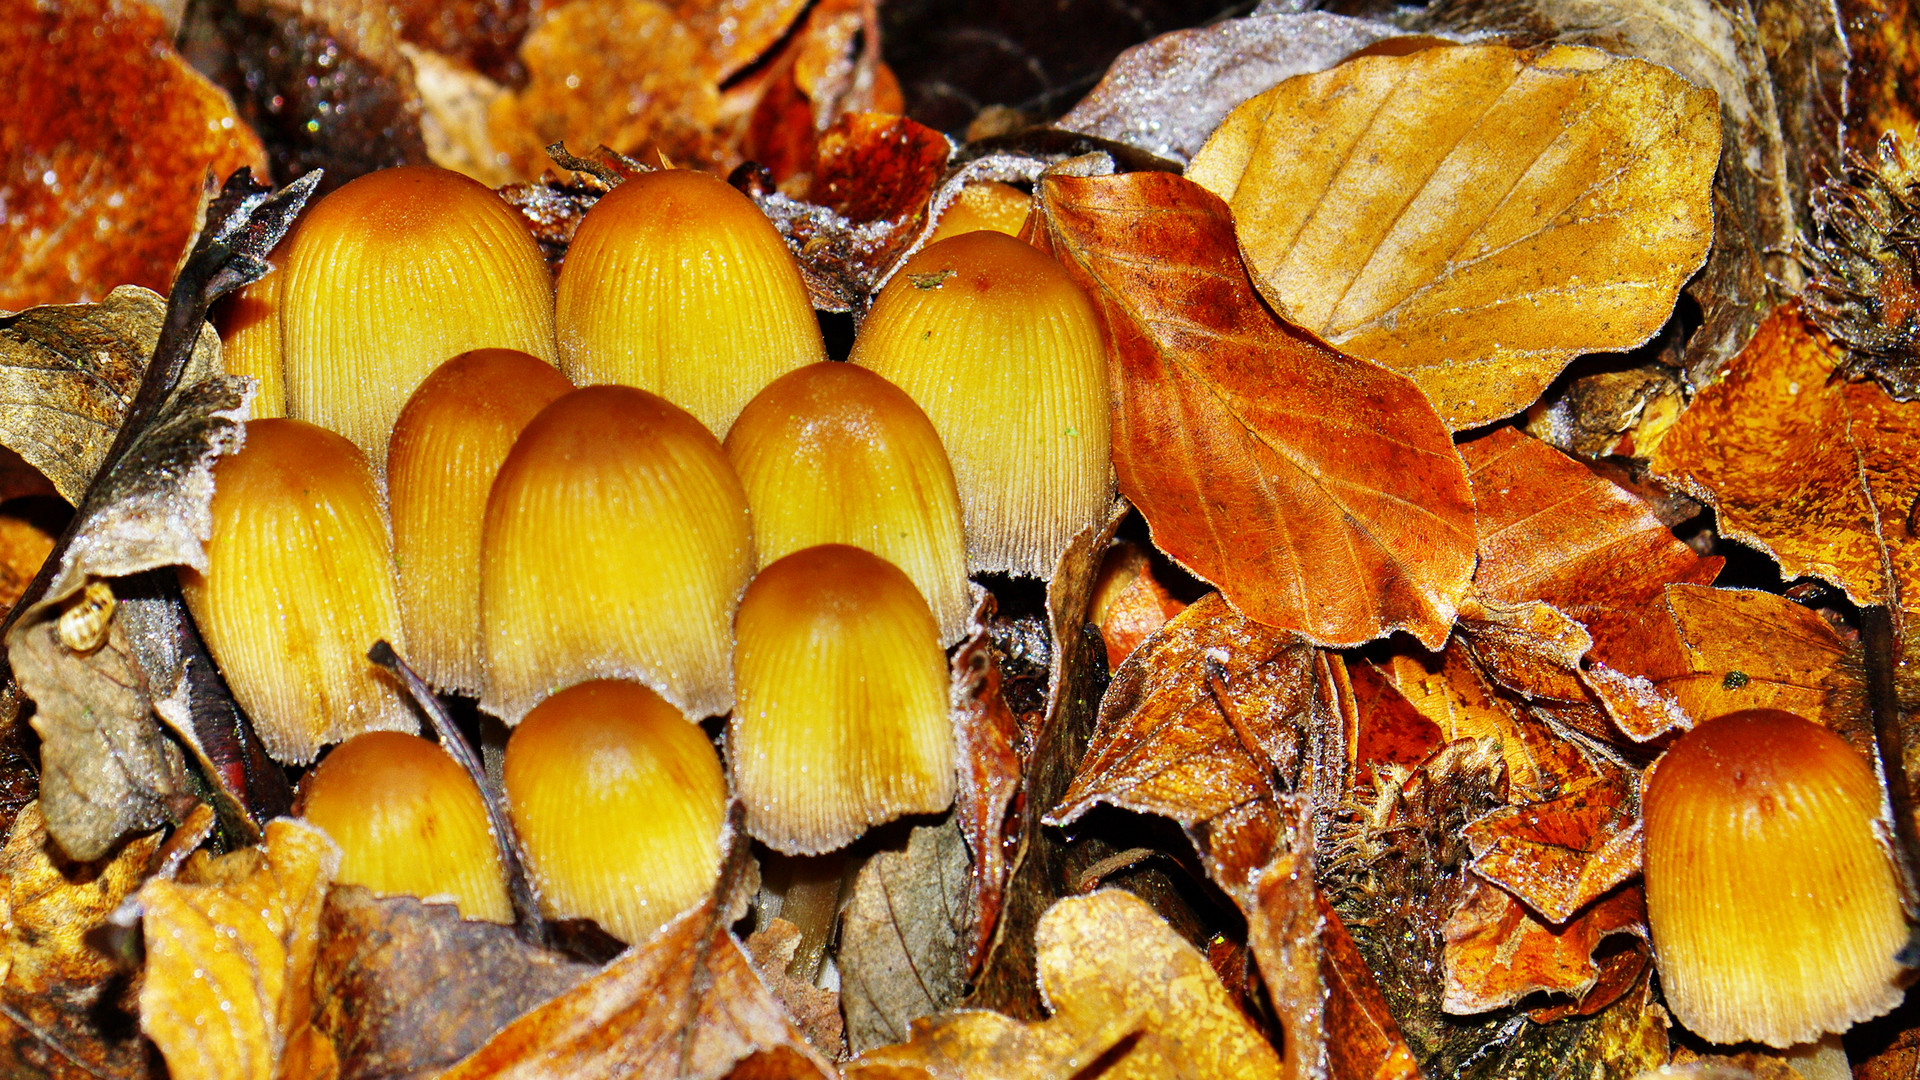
(1476, 216)
(1319, 492)
(1558, 856)
(105, 135)
(1498, 952)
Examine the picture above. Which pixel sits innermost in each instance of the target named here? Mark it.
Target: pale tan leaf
(1474, 217)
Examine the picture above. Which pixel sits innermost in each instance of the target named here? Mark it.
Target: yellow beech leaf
(1130, 998)
(1473, 217)
(230, 952)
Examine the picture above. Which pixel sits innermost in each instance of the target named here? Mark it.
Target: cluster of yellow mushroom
(595, 564)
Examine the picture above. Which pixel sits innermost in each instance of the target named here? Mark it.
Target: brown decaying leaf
(1200, 719)
(815, 1010)
(900, 947)
(107, 135)
(57, 986)
(236, 938)
(402, 987)
(1363, 1040)
(1267, 868)
(1167, 95)
(1319, 492)
(1474, 217)
(1883, 80)
(1498, 952)
(1126, 992)
(1388, 730)
(989, 777)
(1560, 855)
(684, 1003)
(1815, 473)
(1723, 650)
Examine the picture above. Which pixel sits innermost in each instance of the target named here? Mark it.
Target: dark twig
(1883, 703)
(526, 911)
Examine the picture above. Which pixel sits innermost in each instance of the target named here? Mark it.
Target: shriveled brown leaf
(1319, 492)
(1813, 472)
(1200, 719)
(1560, 855)
(1499, 952)
(403, 987)
(900, 951)
(1167, 95)
(816, 1010)
(106, 769)
(1474, 217)
(1269, 875)
(684, 1003)
(1724, 650)
(1126, 993)
(1363, 1039)
(989, 767)
(62, 991)
(68, 372)
(236, 938)
(105, 134)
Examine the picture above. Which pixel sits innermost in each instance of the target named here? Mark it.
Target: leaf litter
(1370, 808)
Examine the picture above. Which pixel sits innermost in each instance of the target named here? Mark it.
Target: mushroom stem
(808, 889)
(526, 910)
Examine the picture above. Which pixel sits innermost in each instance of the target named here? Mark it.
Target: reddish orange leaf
(1559, 856)
(1498, 952)
(1321, 494)
(1390, 729)
(1363, 1040)
(105, 135)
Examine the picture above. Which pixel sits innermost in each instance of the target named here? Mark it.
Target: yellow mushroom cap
(842, 720)
(409, 820)
(1773, 903)
(618, 801)
(389, 276)
(985, 204)
(299, 585)
(446, 448)
(249, 323)
(678, 284)
(1006, 356)
(834, 454)
(616, 545)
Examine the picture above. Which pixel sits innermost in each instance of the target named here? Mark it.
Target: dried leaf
(105, 133)
(1474, 217)
(1126, 993)
(1274, 890)
(1321, 493)
(1389, 730)
(1363, 1040)
(1724, 650)
(815, 1010)
(1499, 952)
(738, 32)
(1167, 95)
(236, 937)
(403, 987)
(1813, 472)
(1883, 78)
(68, 372)
(685, 1003)
(456, 106)
(1129, 602)
(900, 943)
(58, 987)
(1450, 691)
(1560, 855)
(1200, 719)
(984, 730)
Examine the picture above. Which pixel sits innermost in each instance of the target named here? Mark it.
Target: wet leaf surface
(1473, 217)
(236, 937)
(1128, 998)
(1560, 855)
(1319, 492)
(107, 134)
(1499, 952)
